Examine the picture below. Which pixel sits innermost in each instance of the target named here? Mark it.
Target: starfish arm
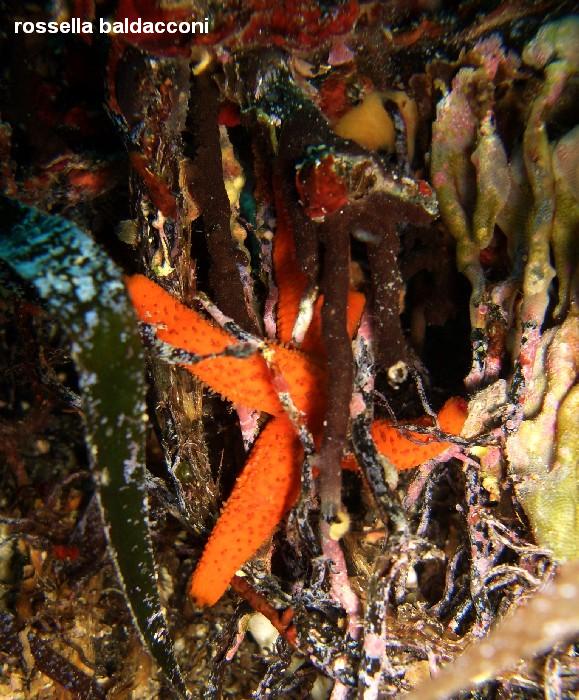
(176, 324)
(246, 381)
(403, 450)
(266, 489)
(313, 343)
(452, 415)
(292, 285)
(291, 281)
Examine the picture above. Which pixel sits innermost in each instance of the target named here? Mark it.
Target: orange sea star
(245, 381)
(269, 483)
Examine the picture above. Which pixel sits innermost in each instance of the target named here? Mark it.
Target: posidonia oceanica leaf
(83, 290)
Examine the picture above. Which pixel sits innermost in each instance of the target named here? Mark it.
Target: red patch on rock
(321, 189)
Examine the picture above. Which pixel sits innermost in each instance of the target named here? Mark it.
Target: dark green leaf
(84, 290)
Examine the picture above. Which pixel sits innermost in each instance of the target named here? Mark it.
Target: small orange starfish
(269, 484)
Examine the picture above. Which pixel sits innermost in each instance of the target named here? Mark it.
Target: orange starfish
(269, 484)
(246, 381)
(270, 481)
